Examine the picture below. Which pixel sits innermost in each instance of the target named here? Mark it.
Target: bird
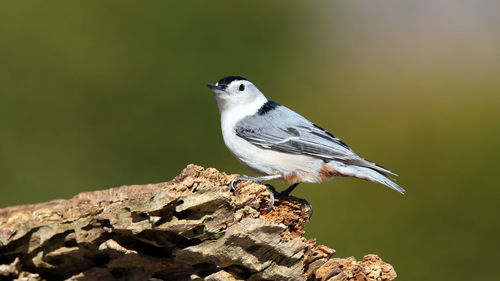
(280, 144)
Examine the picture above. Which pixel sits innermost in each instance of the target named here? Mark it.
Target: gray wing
(278, 128)
(284, 130)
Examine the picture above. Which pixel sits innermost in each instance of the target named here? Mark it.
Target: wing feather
(284, 130)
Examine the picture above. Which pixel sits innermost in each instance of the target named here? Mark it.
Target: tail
(374, 174)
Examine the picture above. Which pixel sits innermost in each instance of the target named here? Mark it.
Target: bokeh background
(99, 94)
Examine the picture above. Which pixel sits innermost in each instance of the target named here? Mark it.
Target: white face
(238, 94)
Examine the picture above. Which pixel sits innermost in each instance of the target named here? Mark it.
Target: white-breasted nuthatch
(278, 143)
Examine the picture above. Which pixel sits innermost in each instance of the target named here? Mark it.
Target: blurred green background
(99, 94)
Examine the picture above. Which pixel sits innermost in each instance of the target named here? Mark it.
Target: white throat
(230, 115)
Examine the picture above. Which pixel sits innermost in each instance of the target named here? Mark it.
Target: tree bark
(191, 228)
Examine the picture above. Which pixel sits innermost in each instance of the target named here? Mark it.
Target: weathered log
(191, 228)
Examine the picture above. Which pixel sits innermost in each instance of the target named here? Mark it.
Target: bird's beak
(214, 87)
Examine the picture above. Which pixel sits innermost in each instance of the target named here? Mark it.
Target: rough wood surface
(191, 228)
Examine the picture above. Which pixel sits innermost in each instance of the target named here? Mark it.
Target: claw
(231, 184)
(235, 181)
(286, 193)
(305, 202)
(271, 190)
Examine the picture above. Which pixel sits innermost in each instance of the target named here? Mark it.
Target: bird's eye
(242, 87)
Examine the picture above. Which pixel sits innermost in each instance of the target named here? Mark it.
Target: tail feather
(369, 173)
(368, 164)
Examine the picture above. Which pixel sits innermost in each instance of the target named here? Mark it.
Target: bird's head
(236, 92)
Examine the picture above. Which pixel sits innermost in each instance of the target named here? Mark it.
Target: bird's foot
(286, 193)
(236, 180)
(272, 192)
(309, 206)
(253, 179)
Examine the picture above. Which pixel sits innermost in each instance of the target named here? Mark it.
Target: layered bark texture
(191, 228)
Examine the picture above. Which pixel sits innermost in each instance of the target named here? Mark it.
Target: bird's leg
(287, 191)
(254, 179)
